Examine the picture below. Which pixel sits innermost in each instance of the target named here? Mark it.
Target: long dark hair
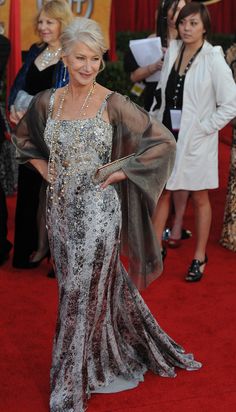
(161, 28)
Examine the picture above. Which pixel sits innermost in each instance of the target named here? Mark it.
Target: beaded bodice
(101, 341)
(78, 147)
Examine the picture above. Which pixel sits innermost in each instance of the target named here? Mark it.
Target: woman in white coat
(198, 99)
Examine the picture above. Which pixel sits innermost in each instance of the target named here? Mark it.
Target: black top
(173, 80)
(37, 80)
(130, 65)
(175, 90)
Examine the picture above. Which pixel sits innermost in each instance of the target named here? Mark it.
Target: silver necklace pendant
(48, 56)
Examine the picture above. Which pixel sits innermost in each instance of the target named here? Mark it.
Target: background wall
(136, 15)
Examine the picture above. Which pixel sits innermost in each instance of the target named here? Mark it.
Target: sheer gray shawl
(134, 131)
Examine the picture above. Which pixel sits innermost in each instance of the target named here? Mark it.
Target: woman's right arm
(143, 72)
(138, 73)
(15, 116)
(27, 149)
(153, 144)
(28, 136)
(225, 96)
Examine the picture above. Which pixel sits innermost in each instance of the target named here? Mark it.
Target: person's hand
(159, 65)
(114, 178)
(164, 49)
(15, 116)
(154, 67)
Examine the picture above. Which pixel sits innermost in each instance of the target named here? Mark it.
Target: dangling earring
(64, 75)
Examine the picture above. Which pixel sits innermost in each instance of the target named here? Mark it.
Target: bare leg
(161, 214)
(180, 198)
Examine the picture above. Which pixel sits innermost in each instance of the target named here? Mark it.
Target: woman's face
(83, 64)
(191, 29)
(172, 16)
(49, 29)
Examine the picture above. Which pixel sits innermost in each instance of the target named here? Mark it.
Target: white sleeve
(225, 96)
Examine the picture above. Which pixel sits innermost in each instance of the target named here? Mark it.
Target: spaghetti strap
(103, 105)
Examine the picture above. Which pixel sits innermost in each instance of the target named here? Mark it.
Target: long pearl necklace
(181, 77)
(55, 149)
(47, 57)
(85, 105)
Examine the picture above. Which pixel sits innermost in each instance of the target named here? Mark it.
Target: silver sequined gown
(105, 334)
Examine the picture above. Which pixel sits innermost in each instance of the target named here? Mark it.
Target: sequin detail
(104, 329)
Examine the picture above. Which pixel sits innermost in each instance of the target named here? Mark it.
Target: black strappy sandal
(194, 273)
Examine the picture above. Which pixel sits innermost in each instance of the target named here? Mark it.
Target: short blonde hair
(86, 31)
(56, 9)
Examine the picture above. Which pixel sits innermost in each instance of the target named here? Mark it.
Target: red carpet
(201, 317)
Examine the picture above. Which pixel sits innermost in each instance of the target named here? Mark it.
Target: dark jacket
(19, 82)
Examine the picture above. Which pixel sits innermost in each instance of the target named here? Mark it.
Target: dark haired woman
(199, 96)
(168, 12)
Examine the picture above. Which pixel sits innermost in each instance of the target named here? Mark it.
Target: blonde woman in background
(41, 70)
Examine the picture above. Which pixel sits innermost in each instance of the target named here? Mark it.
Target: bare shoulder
(102, 91)
(58, 93)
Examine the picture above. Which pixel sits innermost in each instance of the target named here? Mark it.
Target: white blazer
(209, 103)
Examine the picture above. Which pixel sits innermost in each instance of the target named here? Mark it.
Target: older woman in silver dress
(106, 338)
